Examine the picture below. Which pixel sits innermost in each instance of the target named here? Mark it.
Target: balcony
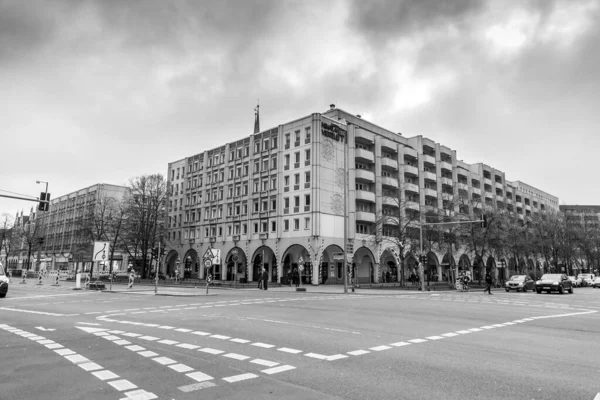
(212, 239)
(365, 216)
(499, 198)
(364, 175)
(390, 201)
(445, 165)
(297, 209)
(476, 191)
(365, 196)
(428, 159)
(430, 176)
(236, 238)
(519, 204)
(364, 135)
(487, 181)
(388, 145)
(527, 207)
(389, 163)
(364, 155)
(411, 170)
(412, 205)
(430, 192)
(387, 181)
(499, 185)
(410, 152)
(447, 181)
(509, 201)
(463, 186)
(411, 187)
(306, 185)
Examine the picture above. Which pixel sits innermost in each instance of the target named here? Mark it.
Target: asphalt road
(57, 343)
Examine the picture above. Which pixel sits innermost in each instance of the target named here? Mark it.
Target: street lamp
(38, 182)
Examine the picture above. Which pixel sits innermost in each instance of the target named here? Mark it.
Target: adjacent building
(300, 195)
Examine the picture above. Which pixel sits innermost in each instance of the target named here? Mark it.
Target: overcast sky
(101, 91)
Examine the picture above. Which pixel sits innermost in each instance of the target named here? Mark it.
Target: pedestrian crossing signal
(44, 204)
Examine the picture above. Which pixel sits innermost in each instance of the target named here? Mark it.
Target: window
(286, 180)
(296, 201)
(297, 137)
(307, 135)
(230, 176)
(239, 153)
(220, 231)
(256, 227)
(256, 147)
(265, 206)
(256, 166)
(265, 185)
(245, 209)
(255, 206)
(273, 226)
(286, 163)
(244, 229)
(306, 202)
(231, 155)
(273, 204)
(362, 186)
(273, 183)
(245, 189)
(274, 142)
(307, 179)
(229, 230)
(361, 228)
(296, 224)
(246, 151)
(256, 185)
(229, 192)
(263, 227)
(307, 157)
(286, 225)
(297, 157)
(274, 162)
(286, 202)
(265, 164)
(306, 223)
(287, 140)
(246, 170)
(296, 179)
(265, 144)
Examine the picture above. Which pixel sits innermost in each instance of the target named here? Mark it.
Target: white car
(596, 283)
(3, 282)
(576, 282)
(586, 279)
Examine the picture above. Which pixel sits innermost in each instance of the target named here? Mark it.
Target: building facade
(282, 199)
(65, 248)
(587, 219)
(22, 244)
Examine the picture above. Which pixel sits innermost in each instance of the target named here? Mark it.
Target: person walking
(488, 284)
(296, 278)
(260, 280)
(289, 278)
(265, 276)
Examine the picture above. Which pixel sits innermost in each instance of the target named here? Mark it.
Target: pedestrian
(388, 276)
(488, 284)
(265, 276)
(383, 277)
(296, 277)
(260, 280)
(289, 278)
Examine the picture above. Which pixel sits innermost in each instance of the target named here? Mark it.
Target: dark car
(3, 282)
(519, 283)
(554, 282)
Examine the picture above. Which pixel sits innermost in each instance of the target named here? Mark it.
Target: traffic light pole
(157, 269)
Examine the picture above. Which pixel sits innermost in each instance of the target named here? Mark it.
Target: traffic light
(484, 222)
(44, 204)
(423, 258)
(163, 251)
(155, 252)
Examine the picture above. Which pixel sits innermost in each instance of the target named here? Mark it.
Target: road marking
(54, 346)
(242, 377)
(135, 347)
(597, 396)
(398, 344)
(184, 330)
(475, 330)
(434, 337)
(147, 353)
(358, 352)
(380, 348)
(276, 370)
(211, 351)
(316, 355)
(187, 346)
(91, 366)
(336, 357)
(76, 358)
(181, 368)
(288, 350)
(121, 342)
(166, 327)
(236, 356)
(450, 334)
(129, 334)
(240, 340)
(167, 341)
(88, 323)
(33, 312)
(200, 333)
(265, 363)
(150, 338)
(139, 395)
(64, 352)
(164, 360)
(111, 337)
(41, 328)
(222, 337)
(417, 340)
(104, 375)
(199, 376)
(264, 345)
(463, 332)
(122, 384)
(196, 386)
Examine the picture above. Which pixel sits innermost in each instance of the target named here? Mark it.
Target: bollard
(40, 276)
(56, 281)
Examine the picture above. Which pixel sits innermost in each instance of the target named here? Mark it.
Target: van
(586, 279)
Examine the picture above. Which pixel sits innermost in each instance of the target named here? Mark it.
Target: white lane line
(181, 368)
(135, 347)
(91, 366)
(167, 341)
(122, 384)
(188, 346)
(139, 312)
(184, 330)
(211, 351)
(240, 340)
(463, 332)
(53, 346)
(316, 355)
(76, 358)
(434, 337)
(380, 348)
(336, 357)
(147, 353)
(276, 370)
(264, 345)
(242, 377)
(265, 363)
(450, 334)
(196, 386)
(399, 344)
(597, 396)
(417, 340)
(129, 334)
(475, 330)
(200, 333)
(288, 350)
(149, 338)
(164, 360)
(222, 337)
(487, 327)
(166, 327)
(104, 375)
(64, 352)
(199, 376)
(32, 312)
(236, 356)
(116, 332)
(111, 337)
(358, 352)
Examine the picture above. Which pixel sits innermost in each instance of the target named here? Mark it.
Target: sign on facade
(338, 256)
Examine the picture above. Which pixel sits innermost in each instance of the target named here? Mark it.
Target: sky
(103, 91)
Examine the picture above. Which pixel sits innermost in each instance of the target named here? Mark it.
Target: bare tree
(6, 236)
(144, 216)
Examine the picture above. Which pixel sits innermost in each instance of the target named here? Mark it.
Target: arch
(332, 271)
(363, 266)
(234, 265)
(171, 262)
(190, 265)
(292, 257)
(263, 258)
(433, 269)
(388, 267)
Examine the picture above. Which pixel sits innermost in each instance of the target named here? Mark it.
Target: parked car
(519, 283)
(3, 282)
(554, 282)
(596, 283)
(576, 282)
(586, 279)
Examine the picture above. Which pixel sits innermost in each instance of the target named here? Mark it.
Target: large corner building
(278, 200)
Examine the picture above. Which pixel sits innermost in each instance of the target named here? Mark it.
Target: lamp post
(40, 239)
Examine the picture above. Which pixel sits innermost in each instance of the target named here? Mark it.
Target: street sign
(208, 263)
(301, 261)
(338, 256)
(301, 267)
(349, 247)
(208, 254)
(100, 252)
